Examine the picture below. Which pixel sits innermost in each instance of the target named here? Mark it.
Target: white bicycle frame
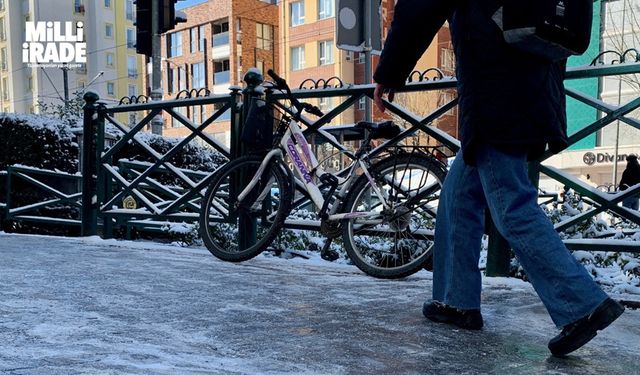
(305, 163)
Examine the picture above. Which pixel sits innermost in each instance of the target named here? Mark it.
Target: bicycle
(383, 210)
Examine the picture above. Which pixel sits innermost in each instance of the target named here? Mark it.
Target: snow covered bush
(37, 141)
(183, 234)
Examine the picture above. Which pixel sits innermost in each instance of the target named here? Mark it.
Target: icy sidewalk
(87, 306)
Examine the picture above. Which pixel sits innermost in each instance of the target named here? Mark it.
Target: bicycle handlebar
(281, 84)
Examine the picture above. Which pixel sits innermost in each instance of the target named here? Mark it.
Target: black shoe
(441, 313)
(580, 332)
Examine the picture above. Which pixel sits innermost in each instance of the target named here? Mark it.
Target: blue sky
(187, 3)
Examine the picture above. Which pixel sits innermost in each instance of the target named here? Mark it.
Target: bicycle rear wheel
(236, 230)
(396, 241)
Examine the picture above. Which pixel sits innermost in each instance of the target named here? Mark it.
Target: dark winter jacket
(506, 97)
(631, 174)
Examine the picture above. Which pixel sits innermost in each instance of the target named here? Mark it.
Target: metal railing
(113, 184)
(50, 185)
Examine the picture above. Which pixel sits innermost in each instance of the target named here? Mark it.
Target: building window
(129, 10)
(197, 75)
(325, 52)
(182, 79)
(107, 3)
(132, 67)
(260, 65)
(133, 90)
(3, 34)
(264, 36)
(108, 30)
(193, 33)
(174, 44)
(297, 58)
(131, 38)
(4, 63)
(362, 103)
(111, 89)
(2, 5)
(110, 60)
(30, 83)
(221, 72)
(5, 89)
(78, 7)
(326, 104)
(297, 13)
(446, 58)
(133, 119)
(174, 122)
(361, 57)
(325, 9)
(238, 31)
(201, 34)
(220, 34)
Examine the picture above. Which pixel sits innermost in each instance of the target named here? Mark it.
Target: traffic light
(143, 27)
(167, 15)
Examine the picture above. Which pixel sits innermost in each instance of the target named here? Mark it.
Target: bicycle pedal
(329, 255)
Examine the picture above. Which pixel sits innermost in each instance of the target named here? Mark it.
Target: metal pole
(615, 159)
(89, 225)
(367, 55)
(65, 79)
(156, 75)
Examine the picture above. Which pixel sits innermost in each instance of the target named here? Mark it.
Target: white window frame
(325, 52)
(326, 9)
(108, 30)
(298, 52)
(296, 11)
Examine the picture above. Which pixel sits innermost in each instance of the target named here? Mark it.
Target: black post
(247, 226)
(498, 251)
(89, 225)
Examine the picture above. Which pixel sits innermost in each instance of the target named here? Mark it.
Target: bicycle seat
(385, 129)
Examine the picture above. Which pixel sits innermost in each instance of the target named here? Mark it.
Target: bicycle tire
(228, 235)
(392, 259)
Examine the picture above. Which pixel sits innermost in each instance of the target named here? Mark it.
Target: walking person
(630, 177)
(511, 107)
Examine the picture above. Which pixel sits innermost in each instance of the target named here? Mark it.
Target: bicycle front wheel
(236, 229)
(392, 234)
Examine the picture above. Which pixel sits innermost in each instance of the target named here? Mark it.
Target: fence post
(247, 226)
(498, 250)
(90, 126)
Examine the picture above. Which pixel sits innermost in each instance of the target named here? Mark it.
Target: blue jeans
(631, 202)
(500, 182)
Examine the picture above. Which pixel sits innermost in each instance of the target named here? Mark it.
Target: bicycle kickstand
(326, 253)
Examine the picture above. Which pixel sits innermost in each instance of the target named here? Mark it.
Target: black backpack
(551, 29)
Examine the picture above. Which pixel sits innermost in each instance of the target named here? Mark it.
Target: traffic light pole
(367, 55)
(156, 76)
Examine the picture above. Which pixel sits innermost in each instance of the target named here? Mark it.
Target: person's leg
(564, 286)
(459, 227)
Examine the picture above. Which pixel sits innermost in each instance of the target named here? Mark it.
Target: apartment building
(308, 50)
(213, 50)
(112, 69)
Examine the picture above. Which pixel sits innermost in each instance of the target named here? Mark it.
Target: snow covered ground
(92, 306)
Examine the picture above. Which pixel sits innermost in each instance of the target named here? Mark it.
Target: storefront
(593, 166)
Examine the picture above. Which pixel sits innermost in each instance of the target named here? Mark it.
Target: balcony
(221, 82)
(132, 73)
(220, 46)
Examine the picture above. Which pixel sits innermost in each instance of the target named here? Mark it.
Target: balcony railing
(221, 78)
(133, 73)
(220, 39)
